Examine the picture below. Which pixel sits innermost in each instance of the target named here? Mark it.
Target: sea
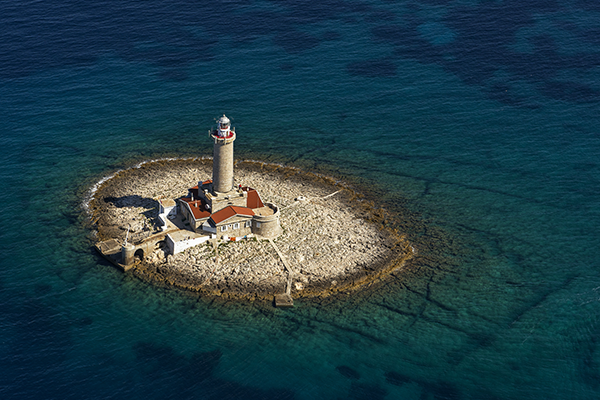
(473, 123)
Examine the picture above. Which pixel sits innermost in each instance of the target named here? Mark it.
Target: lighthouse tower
(224, 137)
(221, 209)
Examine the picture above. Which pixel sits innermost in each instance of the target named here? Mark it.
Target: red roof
(229, 212)
(254, 200)
(198, 206)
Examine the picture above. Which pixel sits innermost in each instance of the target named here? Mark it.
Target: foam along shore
(331, 240)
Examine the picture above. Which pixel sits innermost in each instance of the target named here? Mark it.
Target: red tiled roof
(198, 207)
(207, 182)
(254, 200)
(229, 212)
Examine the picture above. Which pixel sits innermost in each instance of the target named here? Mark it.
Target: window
(223, 228)
(248, 224)
(258, 224)
(236, 225)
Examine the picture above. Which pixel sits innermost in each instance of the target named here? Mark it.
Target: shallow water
(478, 119)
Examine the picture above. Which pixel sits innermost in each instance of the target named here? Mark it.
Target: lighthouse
(220, 192)
(223, 137)
(219, 209)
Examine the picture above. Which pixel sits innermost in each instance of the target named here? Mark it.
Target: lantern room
(223, 127)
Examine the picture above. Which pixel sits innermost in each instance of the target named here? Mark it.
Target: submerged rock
(363, 391)
(396, 378)
(348, 372)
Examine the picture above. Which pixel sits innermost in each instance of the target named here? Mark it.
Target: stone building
(219, 209)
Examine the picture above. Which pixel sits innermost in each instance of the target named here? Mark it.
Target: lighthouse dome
(223, 121)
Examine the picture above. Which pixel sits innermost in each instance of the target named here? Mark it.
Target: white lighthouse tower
(224, 137)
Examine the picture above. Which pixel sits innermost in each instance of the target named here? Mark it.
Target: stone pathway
(288, 287)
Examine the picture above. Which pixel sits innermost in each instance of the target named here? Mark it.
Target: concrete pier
(283, 300)
(112, 251)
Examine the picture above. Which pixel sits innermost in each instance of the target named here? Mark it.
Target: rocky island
(265, 231)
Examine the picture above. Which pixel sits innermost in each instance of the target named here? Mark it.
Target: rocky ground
(332, 240)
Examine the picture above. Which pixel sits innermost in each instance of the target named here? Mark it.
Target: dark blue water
(477, 121)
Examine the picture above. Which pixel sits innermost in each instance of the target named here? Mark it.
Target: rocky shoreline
(333, 240)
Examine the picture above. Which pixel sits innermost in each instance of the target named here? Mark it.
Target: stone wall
(267, 226)
(231, 232)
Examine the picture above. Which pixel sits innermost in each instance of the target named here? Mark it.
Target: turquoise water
(477, 120)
